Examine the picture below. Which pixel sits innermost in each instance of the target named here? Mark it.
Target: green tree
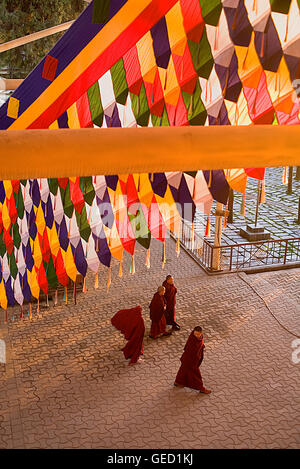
(21, 17)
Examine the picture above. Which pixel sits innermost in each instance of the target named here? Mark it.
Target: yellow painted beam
(9, 83)
(85, 152)
(20, 41)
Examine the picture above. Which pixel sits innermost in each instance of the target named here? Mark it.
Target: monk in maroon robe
(130, 322)
(189, 373)
(170, 297)
(157, 309)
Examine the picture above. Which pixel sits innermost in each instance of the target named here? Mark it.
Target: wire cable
(281, 325)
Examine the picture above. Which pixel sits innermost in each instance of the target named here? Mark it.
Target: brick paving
(66, 383)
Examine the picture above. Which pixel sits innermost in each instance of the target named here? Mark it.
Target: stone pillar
(218, 234)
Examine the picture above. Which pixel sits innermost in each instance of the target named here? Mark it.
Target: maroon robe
(157, 309)
(131, 323)
(170, 297)
(189, 373)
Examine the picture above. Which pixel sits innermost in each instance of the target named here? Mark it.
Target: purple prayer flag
(31, 225)
(106, 210)
(27, 253)
(80, 260)
(114, 119)
(48, 212)
(2, 192)
(112, 181)
(161, 45)
(35, 192)
(102, 249)
(9, 292)
(229, 80)
(159, 183)
(186, 201)
(219, 187)
(63, 234)
(222, 118)
(25, 287)
(63, 121)
(239, 26)
(268, 47)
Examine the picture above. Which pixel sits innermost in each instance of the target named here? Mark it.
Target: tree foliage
(21, 17)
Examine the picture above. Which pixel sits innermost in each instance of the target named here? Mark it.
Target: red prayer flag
(42, 279)
(76, 195)
(7, 239)
(50, 67)
(60, 270)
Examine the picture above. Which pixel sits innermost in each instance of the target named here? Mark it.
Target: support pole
(259, 183)
(218, 234)
(297, 177)
(230, 206)
(290, 181)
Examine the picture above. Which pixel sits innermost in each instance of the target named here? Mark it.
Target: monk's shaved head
(169, 279)
(160, 289)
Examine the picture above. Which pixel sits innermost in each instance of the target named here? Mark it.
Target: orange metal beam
(85, 152)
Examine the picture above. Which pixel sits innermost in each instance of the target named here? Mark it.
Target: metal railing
(265, 255)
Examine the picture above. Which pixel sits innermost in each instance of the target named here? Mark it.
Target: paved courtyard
(66, 383)
(278, 214)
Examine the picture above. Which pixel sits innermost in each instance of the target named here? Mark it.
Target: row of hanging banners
(139, 63)
(52, 230)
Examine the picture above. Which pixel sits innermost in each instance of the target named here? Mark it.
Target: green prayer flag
(66, 200)
(120, 86)
(211, 11)
(140, 107)
(202, 57)
(51, 274)
(100, 11)
(53, 185)
(87, 189)
(19, 204)
(16, 235)
(196, 111)
(140, 228)
(95, 104)
(191, 173)
(2, 245)
(83, 224)
(13, 265)
(162, 121)
(281, 6)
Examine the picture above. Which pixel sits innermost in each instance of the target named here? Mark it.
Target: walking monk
(131, 323)
(170, 297)
(157, 309)
(189, 373)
